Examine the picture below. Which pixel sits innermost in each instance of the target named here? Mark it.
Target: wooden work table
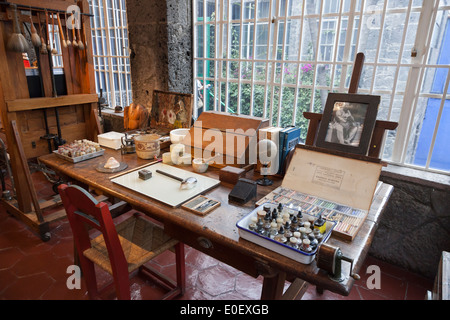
(216, 233)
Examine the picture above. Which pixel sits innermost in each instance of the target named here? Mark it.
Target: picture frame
(347, 122)
(171, 110)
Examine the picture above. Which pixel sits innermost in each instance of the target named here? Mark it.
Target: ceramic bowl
(147, 146)
(177, 135)
(199, 165)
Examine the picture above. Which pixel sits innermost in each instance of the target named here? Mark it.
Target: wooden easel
(21, 115)
(380, 126)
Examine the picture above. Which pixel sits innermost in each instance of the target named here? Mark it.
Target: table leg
(273, 286)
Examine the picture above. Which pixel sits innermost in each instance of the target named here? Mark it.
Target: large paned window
(110, 50)
(279, 58)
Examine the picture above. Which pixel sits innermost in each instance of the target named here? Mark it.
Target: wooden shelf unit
(76, 111)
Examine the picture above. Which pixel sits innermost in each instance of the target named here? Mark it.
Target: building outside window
(279, 58)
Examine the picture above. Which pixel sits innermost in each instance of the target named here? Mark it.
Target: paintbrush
(67, 30)
(43, 49)
(54, 51)
(61, 32)
(74, 37)
(35, 38)
(49, 47)
(17, 41)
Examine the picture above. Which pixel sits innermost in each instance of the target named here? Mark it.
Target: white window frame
(119, 29)
(411, 93)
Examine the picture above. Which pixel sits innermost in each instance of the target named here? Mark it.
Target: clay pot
(147, 146)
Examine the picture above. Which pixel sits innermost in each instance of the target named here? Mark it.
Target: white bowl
(177, 135)
(199, 165)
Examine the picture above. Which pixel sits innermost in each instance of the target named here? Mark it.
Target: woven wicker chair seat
(141, 241)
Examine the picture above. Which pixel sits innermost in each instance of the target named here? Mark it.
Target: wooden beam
(50, 102)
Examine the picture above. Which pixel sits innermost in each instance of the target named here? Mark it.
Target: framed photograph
(347, 122)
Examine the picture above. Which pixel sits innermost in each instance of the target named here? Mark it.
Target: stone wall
(160, 47)
(415, 227)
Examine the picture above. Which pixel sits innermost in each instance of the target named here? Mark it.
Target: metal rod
(22, 6)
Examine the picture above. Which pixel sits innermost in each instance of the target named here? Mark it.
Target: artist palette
(348, 220)
(266, 240)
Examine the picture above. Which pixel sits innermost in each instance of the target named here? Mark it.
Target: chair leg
(90, 278)
(122, 284)
(181, 269)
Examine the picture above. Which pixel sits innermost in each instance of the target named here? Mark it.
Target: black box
(243, 191)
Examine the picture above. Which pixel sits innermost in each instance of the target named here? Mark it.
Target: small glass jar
(275, 213)
(280, 238)
(293, 242)
(287, 230)
(318, 235)
(306, 245)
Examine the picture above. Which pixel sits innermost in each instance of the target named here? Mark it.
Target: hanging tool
(67, 30)
(49, 47)
(35, 38)
(54, 51)
(80, 43)
(57, 139)
(47, 135)
(43, 49)
(61, 32)
(17, 41)
(84, 34)
(74, 38)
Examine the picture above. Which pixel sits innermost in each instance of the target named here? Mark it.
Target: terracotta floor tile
(216, 280)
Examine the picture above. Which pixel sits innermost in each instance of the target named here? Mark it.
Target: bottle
(260, 227)
(293, 243)
(318, 235)
(294, 224)
(287, 230)
(320, 224)
(280, 207)
(306, 245)
(280, 236)
(275, 213)
(313, 241)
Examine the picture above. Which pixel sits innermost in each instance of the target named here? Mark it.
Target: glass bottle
(320, 224)
(306, 245)
(287, 230)
(280, 236)
(293, 242)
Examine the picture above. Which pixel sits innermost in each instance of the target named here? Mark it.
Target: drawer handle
(204, 242)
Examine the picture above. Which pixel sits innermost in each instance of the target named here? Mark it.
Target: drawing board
(165, 189)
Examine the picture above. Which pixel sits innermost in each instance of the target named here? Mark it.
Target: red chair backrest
(82, 208)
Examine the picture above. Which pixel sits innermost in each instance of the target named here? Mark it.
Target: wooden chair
(120, 250)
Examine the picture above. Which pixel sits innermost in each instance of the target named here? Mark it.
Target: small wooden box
(233, 136)
(339, 187)
(230, 174)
